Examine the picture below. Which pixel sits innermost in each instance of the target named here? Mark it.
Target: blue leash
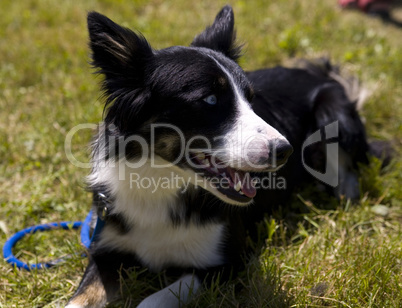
(86, 239)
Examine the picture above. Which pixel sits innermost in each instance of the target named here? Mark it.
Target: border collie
(187, 140)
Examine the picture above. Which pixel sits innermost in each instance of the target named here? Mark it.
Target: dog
(187, 141)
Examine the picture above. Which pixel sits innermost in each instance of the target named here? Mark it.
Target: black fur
(143, 86)
(220, 36)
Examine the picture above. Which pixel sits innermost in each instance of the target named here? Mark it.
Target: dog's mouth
(235, 184)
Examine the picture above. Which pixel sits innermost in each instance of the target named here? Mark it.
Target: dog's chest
(165, 245)
(152, 236)
(190, 245)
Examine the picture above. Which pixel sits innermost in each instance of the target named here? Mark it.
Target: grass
(348, 255)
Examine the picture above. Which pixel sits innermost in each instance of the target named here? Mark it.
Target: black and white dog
(187, 141)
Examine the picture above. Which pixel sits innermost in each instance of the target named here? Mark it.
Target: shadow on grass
(257, 286)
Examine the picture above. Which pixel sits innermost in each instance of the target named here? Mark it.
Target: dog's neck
(142, 191)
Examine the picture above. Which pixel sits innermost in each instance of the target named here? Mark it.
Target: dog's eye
(212, 100)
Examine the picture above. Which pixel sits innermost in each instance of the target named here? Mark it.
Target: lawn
(324, 253)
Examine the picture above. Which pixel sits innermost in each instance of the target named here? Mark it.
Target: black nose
(281, 152)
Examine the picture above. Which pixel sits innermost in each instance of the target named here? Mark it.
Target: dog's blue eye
(212, 100)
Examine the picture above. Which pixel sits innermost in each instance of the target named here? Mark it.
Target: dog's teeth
(200, 156)
(241, 193)
(237, 186)
(223, 174)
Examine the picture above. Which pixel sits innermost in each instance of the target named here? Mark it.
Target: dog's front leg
(91, 291)
(174, 295)
(101, 281)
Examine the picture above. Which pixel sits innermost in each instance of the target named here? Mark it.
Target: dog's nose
(281, 152)
(274, 153)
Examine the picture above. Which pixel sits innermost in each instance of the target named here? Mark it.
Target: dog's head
(190, 105)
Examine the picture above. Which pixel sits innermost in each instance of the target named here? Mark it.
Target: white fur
(164, 244)
(140, 205)
(153, 237)
(249, 132)
(175, 295)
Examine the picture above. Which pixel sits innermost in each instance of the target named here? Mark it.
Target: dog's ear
(122, 57)
(119, 53)
(220, 36)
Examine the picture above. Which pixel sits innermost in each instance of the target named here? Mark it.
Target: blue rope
(85, 231)
(86, 240)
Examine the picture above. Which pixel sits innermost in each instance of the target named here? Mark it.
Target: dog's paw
(174, 295)
(84, 304)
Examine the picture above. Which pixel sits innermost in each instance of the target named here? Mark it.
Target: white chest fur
(163, 245)
(153, 237)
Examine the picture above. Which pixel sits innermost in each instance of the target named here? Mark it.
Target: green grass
(349, 255)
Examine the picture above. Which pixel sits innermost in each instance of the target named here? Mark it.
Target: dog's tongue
(247, 186)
